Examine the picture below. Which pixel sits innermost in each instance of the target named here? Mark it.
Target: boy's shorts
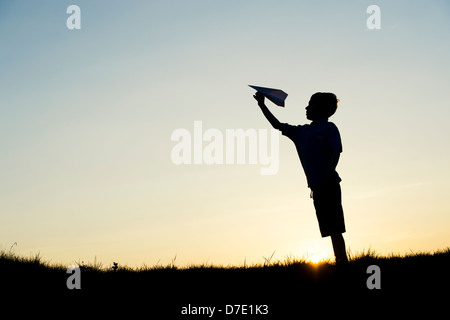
(327, 201)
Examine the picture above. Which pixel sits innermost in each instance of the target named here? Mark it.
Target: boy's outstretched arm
(269, 116)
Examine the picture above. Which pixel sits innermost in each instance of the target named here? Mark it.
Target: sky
(87, 118)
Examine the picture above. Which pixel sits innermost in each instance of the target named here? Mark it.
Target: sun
(316, 257)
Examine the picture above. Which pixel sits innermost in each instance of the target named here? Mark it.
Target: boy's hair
(326, 100)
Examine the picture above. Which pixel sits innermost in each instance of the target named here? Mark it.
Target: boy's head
(321, 105)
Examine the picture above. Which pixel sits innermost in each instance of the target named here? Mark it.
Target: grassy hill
(273, 290)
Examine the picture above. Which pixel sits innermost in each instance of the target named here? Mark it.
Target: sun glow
(316, 257)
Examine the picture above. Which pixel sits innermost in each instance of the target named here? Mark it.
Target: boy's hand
(269, 116)
(259, 97)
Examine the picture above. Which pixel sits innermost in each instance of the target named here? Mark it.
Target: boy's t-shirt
(315, 143)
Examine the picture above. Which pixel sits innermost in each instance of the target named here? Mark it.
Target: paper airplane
(277, 96)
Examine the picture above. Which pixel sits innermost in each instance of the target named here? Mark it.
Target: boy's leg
(339, 248)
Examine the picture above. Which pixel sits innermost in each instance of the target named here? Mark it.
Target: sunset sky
(86, 119)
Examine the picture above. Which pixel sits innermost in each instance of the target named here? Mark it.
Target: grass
(8, 258)
(286, 285)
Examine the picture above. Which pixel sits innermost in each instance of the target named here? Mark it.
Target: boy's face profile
(314, 110)
(321, 106)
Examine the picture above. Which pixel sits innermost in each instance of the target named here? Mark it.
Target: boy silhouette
(319, 146)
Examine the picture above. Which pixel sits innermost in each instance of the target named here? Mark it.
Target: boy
(319, 146)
